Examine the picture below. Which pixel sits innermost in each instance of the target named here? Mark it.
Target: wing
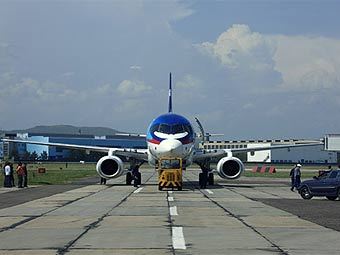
(202, 155)
(140, 154)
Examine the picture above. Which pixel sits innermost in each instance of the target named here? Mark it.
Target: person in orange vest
(21, 173)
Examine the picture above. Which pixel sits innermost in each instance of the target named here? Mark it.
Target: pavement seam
(240, 219)
(65, 249)
(28, 219)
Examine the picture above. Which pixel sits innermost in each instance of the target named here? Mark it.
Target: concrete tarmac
(229, 218)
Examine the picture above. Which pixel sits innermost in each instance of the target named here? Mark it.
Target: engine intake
(110, 167)
(230, 167)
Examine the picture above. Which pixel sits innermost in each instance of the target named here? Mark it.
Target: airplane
(169, 135)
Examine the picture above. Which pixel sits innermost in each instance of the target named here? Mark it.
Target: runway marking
(178, 241)
(138, 190)
(170, 199)
(173, 211)
(209, 191)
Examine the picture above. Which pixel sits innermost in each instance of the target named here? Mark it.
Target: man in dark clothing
(102, 180)
(12, 174)
(136, 175)
(291, 174)
(204, 179)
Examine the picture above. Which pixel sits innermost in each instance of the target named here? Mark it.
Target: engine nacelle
(230, 167)
(110, 167)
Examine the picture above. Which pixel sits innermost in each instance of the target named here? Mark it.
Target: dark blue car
(328, 185)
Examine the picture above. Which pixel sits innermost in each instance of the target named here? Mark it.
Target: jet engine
(110, 167)
(230, 167)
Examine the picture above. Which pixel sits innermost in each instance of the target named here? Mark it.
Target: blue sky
(248, 69)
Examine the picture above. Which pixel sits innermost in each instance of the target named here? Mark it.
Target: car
(327, 184)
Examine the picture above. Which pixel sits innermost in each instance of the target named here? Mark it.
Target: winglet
(170, 95)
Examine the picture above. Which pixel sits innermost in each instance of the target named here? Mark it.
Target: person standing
(7, 173)
(291, 174)
(204, 180)
(102, 180)
(20, 173)
(25, 177)
(12, 174)
(297, 176)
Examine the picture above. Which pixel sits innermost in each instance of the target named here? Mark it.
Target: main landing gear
(136, 178)
(134, 175)
(206, 177)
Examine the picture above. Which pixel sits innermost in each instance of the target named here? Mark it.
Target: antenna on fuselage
(170, 95)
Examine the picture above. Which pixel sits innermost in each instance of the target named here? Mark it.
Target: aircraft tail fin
(170, 95)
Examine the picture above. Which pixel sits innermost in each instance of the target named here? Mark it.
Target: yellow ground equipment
(170, 173)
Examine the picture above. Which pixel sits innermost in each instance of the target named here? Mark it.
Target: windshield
(171, 129)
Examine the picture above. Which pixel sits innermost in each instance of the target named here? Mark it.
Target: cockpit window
(188, 129)
(154, 128)
(164, 128)
(178, 128)
(171, 129)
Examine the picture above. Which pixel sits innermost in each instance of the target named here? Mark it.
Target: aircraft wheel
(211, 179)
(332, 197)
(160, 187)
(128, 178)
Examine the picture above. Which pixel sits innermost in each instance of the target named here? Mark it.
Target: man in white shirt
(7, 172)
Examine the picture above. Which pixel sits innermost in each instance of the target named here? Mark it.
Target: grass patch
(56, 173)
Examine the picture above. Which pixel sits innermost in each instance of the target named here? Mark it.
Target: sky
(246, 69)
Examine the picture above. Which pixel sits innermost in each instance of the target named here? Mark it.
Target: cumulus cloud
(189, 82)
(34, 90)
(129, 88)
(239, 48)
(302, 62)
(307, 63)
